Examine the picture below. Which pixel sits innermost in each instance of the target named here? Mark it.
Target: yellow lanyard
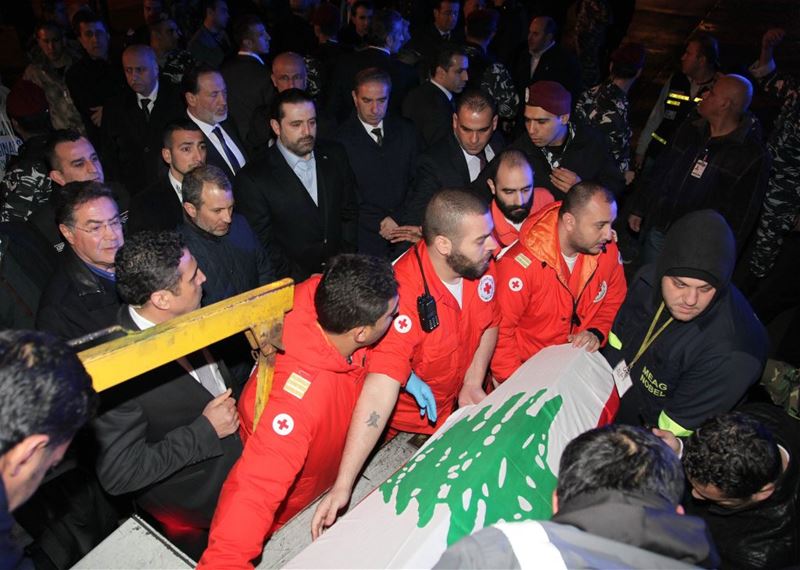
(650, 338)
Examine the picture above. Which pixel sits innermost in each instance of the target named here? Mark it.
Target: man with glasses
(81, 296)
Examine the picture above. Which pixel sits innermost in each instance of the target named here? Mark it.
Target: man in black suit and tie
(301, 198)
(169, 437)
(385, 38)
(544, 60)
(427, 40)
(207, 106)
(160, 207)
(133, 122)
(382, 151)
(457, 160)
(430, 106)
(246, 75)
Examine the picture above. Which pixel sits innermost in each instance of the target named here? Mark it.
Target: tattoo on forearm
(373, 420)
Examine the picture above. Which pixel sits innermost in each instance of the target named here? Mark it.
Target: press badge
(699, 168)
(622, 377)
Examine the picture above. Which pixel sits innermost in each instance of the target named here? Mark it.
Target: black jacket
(91, 83)
(587, 154)
(556, 64)
(233, 263)
(765, 534)
(157, 208)
(384, 175)
(431, 112)
(733, 182)
(131, 148)
(155, 442)
(76, 301)
(298, 235)
(249, 85)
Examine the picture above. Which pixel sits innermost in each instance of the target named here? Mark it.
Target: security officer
(685, 344)
(445, 332)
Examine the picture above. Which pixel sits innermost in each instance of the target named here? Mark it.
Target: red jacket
(293, 457)
(536, 293)
(442, 356)
(505, 233)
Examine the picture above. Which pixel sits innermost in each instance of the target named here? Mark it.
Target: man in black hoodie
(685, 344)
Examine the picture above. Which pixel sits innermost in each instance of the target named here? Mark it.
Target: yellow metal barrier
(258, 312)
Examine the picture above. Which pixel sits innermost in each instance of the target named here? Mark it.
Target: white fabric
(570, 261)
(369, 128)
(474, 163)
(207, 131)
(457, 290)
(175, 186)
(531, 545)
(151, 97)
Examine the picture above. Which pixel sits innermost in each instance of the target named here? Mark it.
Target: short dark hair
(444, 56)
(86, 16)
(68, 198)
(481, 24)
(709, 47)
(146, 263)
(242, 27)
(191, 78)
(445, 211)
(361, 4)
(383, 24)
(178, 125)
(207, 5)
(371, 75)
(437, 4)
(581, 194)
(44, 389)
(476, 100)
(192, 185)
(354, 291)
(55, 138)
(291, 96)
(734, 452)
(620, 458)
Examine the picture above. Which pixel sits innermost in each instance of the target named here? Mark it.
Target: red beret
(550, 96)
(25, 99)
(629, 55)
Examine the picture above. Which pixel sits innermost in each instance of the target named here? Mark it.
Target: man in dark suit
(457, 160)
(544, 60)
(133, 122)
(430, 106)
(427, 40)
(207, 106)
(354, 33)
(384, 40)
(160, 207)
(246, 75)
(169, 437)
(210, 44)
(382, 151)
(301, 198)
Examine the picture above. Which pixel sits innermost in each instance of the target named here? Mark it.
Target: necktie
(146, 108)
(203, 371)
(378, 135)
(482, 158)
(235, 166)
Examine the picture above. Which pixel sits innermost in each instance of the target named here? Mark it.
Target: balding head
(729, 97)
(141, 68)
(289, 71)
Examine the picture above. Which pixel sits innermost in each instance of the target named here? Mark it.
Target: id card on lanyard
(700, 165)
(622, 374)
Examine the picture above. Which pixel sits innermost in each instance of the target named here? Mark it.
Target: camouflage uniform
(496, 81)
(63, 113)
(782, 200)
(175, 65)
(605, 106)
(25, 185)
(591, 22)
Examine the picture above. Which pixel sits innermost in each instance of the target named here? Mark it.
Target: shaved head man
(289, 71)
(141, 69)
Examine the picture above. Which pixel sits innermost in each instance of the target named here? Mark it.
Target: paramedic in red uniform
(454, 260)
(514, 197)
(563, 281)
(293, 456)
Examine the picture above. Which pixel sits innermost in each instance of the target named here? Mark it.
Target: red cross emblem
(402, 324)
(486, 288)
(283, 424)
(515, 284)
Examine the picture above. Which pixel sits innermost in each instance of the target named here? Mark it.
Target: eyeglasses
(96, 229)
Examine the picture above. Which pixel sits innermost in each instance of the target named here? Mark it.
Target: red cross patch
(486, 288)
(402, 323)
(283, 424)
(515, 284)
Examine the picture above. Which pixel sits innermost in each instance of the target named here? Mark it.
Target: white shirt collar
(152, 96)
(175, 185)
(205, 127)
(369, 128)
(379, 48)
(140, 321)
(444, 90)
(253, 55)
(291, 158)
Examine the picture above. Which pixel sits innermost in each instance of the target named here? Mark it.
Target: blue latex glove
(423, 395)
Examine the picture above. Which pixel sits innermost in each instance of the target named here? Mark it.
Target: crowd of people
(442, 180)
